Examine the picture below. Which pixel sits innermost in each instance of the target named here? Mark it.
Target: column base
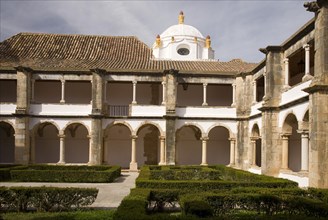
(286, 87)
(231, 165)
(307, 77)
(204, 164)
(62, 101)
(133, 166)
(61, 162)
(161, 163)
(204, 104)
(285, 170)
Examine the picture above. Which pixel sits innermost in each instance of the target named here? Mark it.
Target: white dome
(181, 30)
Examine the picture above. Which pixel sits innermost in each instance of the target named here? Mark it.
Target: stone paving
(109, 196)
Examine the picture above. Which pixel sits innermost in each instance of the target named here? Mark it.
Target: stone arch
(145, 123)
(76, 143)
(45, 143)
(192, 124)
(77, 122)
(188, 145)
(289, 130)
(218, 147)
(121, 123)
(117, 144)
(218, 124)
(256, 146)
(7, 142)
(147, 151)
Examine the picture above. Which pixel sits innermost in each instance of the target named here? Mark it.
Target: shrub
(55, 173)
(45, 198)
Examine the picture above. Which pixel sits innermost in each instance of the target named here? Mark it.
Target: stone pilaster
(96, 136)
(171, 97)
(318, 89)
(98, 91)
(274, 85)
(243, 101)
(22, 137)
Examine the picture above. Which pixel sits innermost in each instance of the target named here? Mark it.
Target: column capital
(286, 60)
(303, 132)
(162, 138)
(306, 46)
(204, 138)
(62, 81)
(163, 83)
(232, 139)
(254, 138)
(205, 84)
(285, 135)
(134, 137)
(61, 135)
(134, 82)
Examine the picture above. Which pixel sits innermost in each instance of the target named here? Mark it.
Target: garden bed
(218, 192)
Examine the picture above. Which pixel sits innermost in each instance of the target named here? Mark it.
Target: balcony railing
(118, 110)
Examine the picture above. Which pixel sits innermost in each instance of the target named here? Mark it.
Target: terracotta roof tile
(85, 52)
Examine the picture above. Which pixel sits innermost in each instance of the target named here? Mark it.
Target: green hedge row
(253, 203)
(58, 173)
(205, 179)
(210, 204)
(70, 215)
(45, 198)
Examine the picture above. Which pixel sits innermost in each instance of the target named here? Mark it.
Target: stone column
(22, 136)
(284, 161)
(105, 150)
(134, 95)
(164, 92)
(318, 90)
(286, 62)
(62, 100)
(204, 151)
(32, 156)
(233, 95)
(204, 94)
(105, 91)
(162, 150)
(170, 117)
(133, 163)
(254, 91)
(32, 89)
(307, 75)
(232, 151)
(305, 151)
(253, 146)
(61, 136)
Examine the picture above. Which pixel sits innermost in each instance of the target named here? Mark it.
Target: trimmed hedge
(265, 204)
(75, 215)
(59, 173)
(206, 178)
(45, 198)
(218, 192)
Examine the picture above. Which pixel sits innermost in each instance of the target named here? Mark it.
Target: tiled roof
(83, 52)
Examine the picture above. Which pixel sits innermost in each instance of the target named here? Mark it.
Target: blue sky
(237, 28)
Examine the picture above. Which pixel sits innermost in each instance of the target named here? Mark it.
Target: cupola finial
(181, 17)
